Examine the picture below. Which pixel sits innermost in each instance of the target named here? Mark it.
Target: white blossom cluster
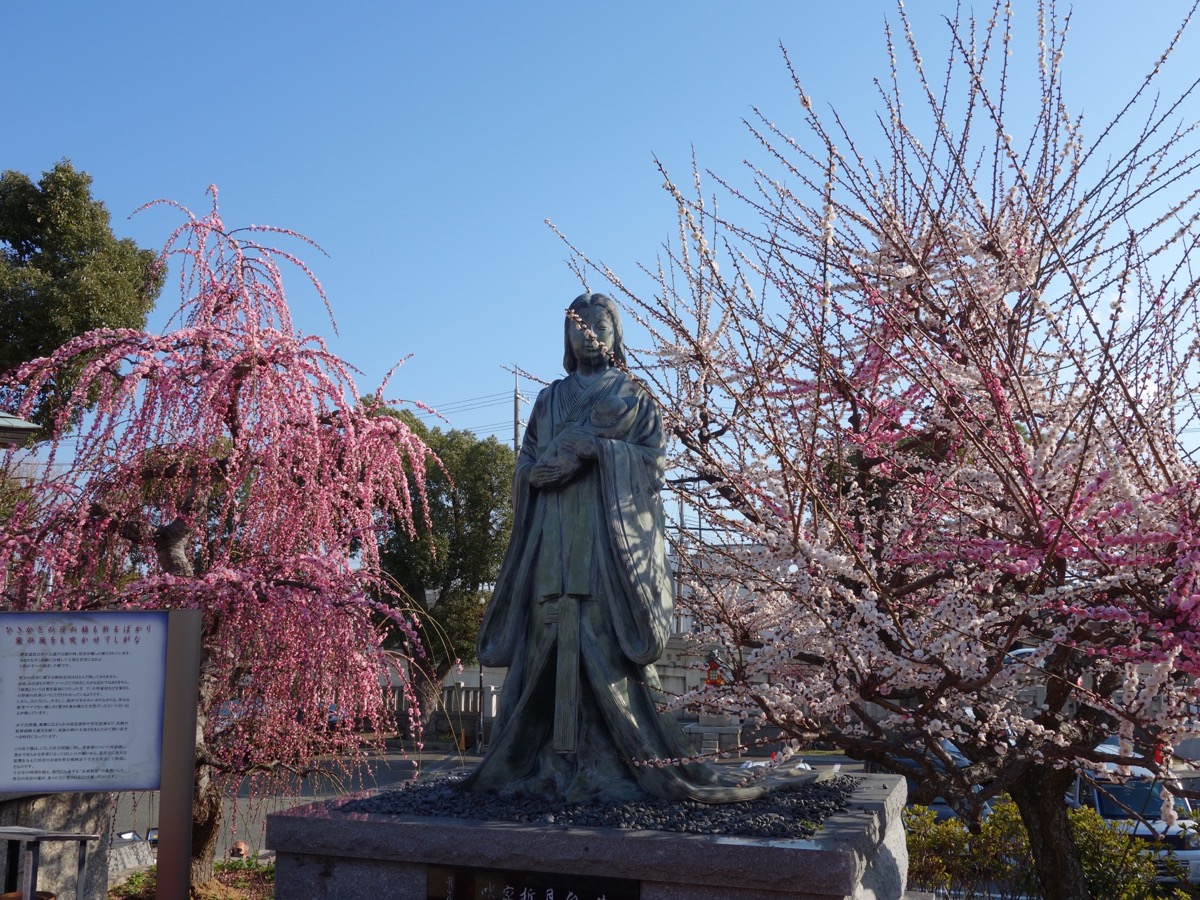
(930, 412)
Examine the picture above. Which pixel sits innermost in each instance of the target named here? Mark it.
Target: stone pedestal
(715, 734)
(324, 854)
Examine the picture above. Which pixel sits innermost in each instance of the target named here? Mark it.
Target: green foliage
(446, 568)
(249, 878)
(997, 862)
(244, 873)
(139, 884)
(934, 848)
(63, 273)
(13, 491)
(945, 856)
(1117, 864)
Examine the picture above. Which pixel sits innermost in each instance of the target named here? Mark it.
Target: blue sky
(423, 145)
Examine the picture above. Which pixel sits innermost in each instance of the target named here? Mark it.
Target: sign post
(178, 754)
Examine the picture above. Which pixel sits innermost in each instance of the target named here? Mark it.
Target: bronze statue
(582, 607)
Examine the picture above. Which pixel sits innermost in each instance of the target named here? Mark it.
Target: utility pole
(480, 743)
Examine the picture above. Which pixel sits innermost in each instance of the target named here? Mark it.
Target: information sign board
(81, 701)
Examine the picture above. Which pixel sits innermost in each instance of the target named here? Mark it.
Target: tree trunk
(206, 825)
(427, 686)
(1040, 796)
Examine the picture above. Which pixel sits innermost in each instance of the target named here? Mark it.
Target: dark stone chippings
(794, 813)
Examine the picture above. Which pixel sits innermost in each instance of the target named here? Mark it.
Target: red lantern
(714, 674)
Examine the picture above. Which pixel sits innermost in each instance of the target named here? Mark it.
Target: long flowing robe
(581, 611)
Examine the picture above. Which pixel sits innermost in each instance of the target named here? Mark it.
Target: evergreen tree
(447, 571)
(63, 273)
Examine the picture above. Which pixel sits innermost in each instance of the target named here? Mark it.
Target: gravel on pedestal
(793, 812)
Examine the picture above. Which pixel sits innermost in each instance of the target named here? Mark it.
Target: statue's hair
(578, 305)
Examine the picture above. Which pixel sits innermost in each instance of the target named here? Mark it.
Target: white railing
(460, 697)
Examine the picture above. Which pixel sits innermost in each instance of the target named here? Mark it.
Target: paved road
(245, 815)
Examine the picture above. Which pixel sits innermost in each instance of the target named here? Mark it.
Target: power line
(443, 412)
(474, 399)
(489, 425)
(460, 406)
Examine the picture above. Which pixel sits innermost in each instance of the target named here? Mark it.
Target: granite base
(325, 854)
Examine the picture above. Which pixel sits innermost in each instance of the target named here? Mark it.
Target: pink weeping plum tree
(933, 395)
(227, 465)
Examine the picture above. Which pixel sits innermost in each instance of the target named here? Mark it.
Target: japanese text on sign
(82, 694)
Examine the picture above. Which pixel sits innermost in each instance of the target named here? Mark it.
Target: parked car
(1137, 799)
(939, 805)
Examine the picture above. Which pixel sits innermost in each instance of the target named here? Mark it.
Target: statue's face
(593, 345)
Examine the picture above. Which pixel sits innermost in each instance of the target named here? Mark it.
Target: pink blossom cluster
(227, 465)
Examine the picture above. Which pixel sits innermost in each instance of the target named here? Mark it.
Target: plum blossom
(946, 497)
(229, 466)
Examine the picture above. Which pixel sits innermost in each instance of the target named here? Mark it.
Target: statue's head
(586, 307)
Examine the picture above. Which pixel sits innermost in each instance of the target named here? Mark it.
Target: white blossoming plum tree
(227, 465)
(931, 409)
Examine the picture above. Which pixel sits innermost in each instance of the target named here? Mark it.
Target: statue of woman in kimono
(582, 606)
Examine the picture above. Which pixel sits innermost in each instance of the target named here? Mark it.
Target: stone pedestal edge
(861, 854)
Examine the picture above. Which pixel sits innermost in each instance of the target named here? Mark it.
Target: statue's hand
(551, 473)
(581, 443)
